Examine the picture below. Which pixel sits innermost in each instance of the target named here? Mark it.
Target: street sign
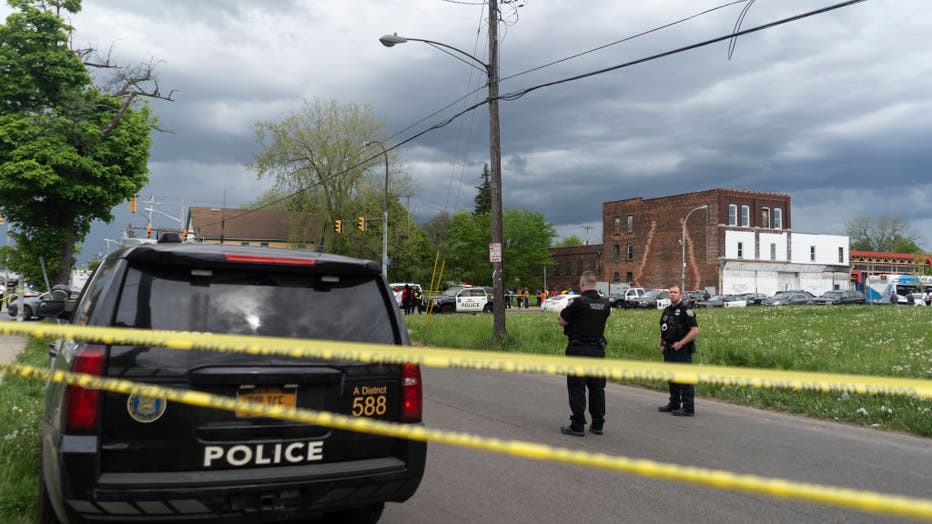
(495, 252)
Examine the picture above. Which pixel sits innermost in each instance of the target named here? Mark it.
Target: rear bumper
(251, 495)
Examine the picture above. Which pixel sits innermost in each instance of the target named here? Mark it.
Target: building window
(630, 226)
(812, 253)
(732, 215)
(617, 227)
(616, 277)
(592, 264)
(765, 217)
(616, 253)
(745, 216)
(629, 277)
(778, 218)
(579, 267)
(841, 255)
(556, 269)
(629, 252)
(773, 251)
(263, 244)
(244, 243)
(740, 249)
(569, 267)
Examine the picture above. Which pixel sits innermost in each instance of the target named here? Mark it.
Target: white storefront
(767, 262)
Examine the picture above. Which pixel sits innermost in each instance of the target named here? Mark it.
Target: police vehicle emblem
(145, 409)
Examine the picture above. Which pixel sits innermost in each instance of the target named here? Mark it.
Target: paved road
(10, 345)
(464, 485)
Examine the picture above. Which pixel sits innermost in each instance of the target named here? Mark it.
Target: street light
(495, 154)
(683, 243)
(384, 209)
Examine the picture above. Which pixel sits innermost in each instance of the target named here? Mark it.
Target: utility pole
(495, 150)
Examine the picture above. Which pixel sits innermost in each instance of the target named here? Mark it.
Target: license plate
(276, 396)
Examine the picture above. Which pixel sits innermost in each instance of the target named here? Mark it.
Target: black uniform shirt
(676, 322)
(586, 317)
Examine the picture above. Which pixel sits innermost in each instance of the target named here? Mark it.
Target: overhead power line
(520, 93)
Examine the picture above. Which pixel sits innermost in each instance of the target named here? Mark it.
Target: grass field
(20, 409)
(864, 340)
(878, 341)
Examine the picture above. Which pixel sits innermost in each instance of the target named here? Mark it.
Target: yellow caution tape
(486, 360)
(867, 501)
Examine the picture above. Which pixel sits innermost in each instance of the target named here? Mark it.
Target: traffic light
(132, 204)
(338, 226)
(184, 235)
(148, 231)
(361, 223)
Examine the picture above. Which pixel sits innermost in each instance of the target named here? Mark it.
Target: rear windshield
(251, 303)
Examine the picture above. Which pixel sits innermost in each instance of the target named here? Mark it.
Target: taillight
(411, 393)
(82, 411)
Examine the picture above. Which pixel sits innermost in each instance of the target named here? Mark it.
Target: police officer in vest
(583, 323)
(678, 330)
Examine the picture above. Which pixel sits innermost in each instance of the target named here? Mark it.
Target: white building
(757, 261)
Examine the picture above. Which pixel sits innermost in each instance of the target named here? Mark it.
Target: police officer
(583, 323)
(678, 330)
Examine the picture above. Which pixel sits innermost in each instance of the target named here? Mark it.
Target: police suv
(110, 457)
(463, 299)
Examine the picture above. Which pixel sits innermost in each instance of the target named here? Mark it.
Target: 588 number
(369, 405)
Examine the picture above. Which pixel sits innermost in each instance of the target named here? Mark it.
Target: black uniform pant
(681, 395)
(577, 386)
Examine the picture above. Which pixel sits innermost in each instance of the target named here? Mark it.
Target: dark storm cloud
(835, 110)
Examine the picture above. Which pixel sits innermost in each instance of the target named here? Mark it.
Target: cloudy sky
(834, 109)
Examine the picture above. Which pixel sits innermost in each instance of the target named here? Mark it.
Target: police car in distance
(127, 458)
(463, 299)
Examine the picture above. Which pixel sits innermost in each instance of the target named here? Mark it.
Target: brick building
(741, 241)
(570, 262)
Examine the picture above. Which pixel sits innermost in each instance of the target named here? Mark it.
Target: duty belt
(585, 341)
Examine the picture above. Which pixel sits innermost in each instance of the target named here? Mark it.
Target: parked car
(787, 298)
(722, 301)
(840, 297)
(753, 299)
(419, 303)
(653, 299)
(130, 458)
(463, 299)
(626, 299)
(558, 303)
(692, 297)
(31, 302)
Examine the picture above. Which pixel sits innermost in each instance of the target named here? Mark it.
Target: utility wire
(518, 94)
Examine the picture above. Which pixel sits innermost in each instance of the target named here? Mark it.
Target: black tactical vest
(588, 326)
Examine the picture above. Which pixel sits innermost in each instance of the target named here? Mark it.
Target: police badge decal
(145, 409)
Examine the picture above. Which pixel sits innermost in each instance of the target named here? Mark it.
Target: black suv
(108, 457)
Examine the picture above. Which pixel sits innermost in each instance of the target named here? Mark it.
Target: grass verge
(21, 402)
(864, 340)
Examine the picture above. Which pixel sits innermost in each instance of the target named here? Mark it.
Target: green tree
(483, 198)
(570, 241)
(436, 228)
(527, 237)
(317, 159)
(887, 233)
(69, 151)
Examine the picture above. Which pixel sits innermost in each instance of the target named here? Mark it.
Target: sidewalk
(10, 346)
